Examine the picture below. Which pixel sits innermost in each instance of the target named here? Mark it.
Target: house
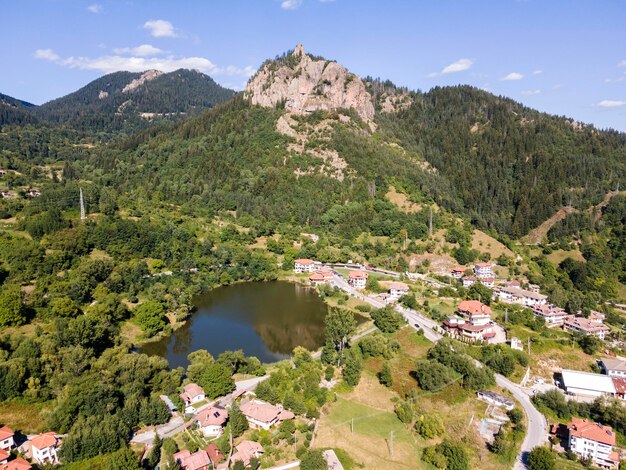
(303, 265)
(468, 281)
(7, 194)
(586, 327)
(212, 420)
(44, 448)
(483, 270)
(262, 415)
(311, 236)
(16, 464)
(475, 312)
(4, 456)
(495, 399)
(553, 315)
(460, 328)
(317, 279)
(488, 282)
(192, 393)
(398, 289)
(593, 440)
(357, 279)
(613, 367)
(246, 451)
(515, 295)
(6, 438)
(588, 384)
(197, 461)
(33, 193)
(513, 283)
(215, 454)
(620, 387)
(457, 272)
(473, 322)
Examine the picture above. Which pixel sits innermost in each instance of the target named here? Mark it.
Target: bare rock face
(307, 84)
(145, 77)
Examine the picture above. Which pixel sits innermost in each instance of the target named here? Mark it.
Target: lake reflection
(265, 319)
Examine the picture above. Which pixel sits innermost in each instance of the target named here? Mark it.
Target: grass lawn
(485, 243)
(559, 255)
(23, 417)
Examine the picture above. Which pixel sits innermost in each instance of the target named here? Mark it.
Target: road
(177, 424)
(537, 431)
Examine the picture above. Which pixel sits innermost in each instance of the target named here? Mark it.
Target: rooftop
(614, 364)
(588, 381)
(524, 293)
(585, 324)
(304, 261)
(474, 307)
(357, 274)
(5, 432)
(212, 416)
(193, 390)
(17, 464)
(592, 431)
(44, 440)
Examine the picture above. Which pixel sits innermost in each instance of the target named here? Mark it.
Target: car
(416, 325)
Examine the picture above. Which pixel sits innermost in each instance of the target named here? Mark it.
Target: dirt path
(536, 235)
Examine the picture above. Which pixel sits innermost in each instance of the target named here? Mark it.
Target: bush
(387, 319)
(150, 316)
(352, 367)
(432, 376)
(429, 426)
(384, 376)
(541, 458)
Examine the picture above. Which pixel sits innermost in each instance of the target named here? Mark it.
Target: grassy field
(485, 243)
(559, 255)
(23, 417)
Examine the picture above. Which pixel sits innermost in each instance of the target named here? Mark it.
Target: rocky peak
(306, 84)
(145, 77)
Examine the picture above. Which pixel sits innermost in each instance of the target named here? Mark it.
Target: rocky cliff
(306, 84)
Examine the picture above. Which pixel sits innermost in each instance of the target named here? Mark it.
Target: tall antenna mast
(82, 205)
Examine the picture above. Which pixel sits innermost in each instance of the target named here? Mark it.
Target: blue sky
(563, 57)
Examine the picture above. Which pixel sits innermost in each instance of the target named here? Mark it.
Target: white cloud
(290, 4)
(614, 80)
(531, 92)
(135, 63)
(95, 8)
(622, 63)
(145, 50)
(458, 66)
(160, 28)
(611, 103)
(46, 54)
(513, 76)
(537, 72)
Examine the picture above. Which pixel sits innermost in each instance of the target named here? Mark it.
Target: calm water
(265, 319)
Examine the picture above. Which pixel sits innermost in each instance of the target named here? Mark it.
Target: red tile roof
(316, 277)
(474, 307)
(5, 433)
(212, 416)
(3, 455)
(44, 440)
(16, 464)
(592, 431)
(357, 274)
(620, 385)
(214, 453)
(260, 411)
(304, 261)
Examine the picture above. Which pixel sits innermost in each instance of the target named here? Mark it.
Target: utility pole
(391, 443)
(352, 426)
(529, 345)
(506, 315)
(82, 205)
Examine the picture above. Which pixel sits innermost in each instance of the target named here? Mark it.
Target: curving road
(537, 429)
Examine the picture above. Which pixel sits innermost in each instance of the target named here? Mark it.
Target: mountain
(14, 111)
(319, 142)
(129, 101)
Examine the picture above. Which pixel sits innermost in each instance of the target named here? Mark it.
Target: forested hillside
(512, 167)
(14, 111)
(131, 101)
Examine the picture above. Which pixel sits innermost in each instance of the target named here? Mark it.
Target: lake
(265, 319)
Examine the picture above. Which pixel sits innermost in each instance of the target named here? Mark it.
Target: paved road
(177, 424)
(536, 433)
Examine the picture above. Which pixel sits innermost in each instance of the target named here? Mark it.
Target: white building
(586, 327)
(44, 448)
(613, 367)
(495, 399)
(6, 438)
(515, 295)
(483, 270)
(212, 420)
(468, 281)
(517, 344)
(398, 289)
(302, 265)
(553, 315)
(357, 279)
(262, 415)
(587, 384)
(488, 282)
(192, 394)
(592, 440)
